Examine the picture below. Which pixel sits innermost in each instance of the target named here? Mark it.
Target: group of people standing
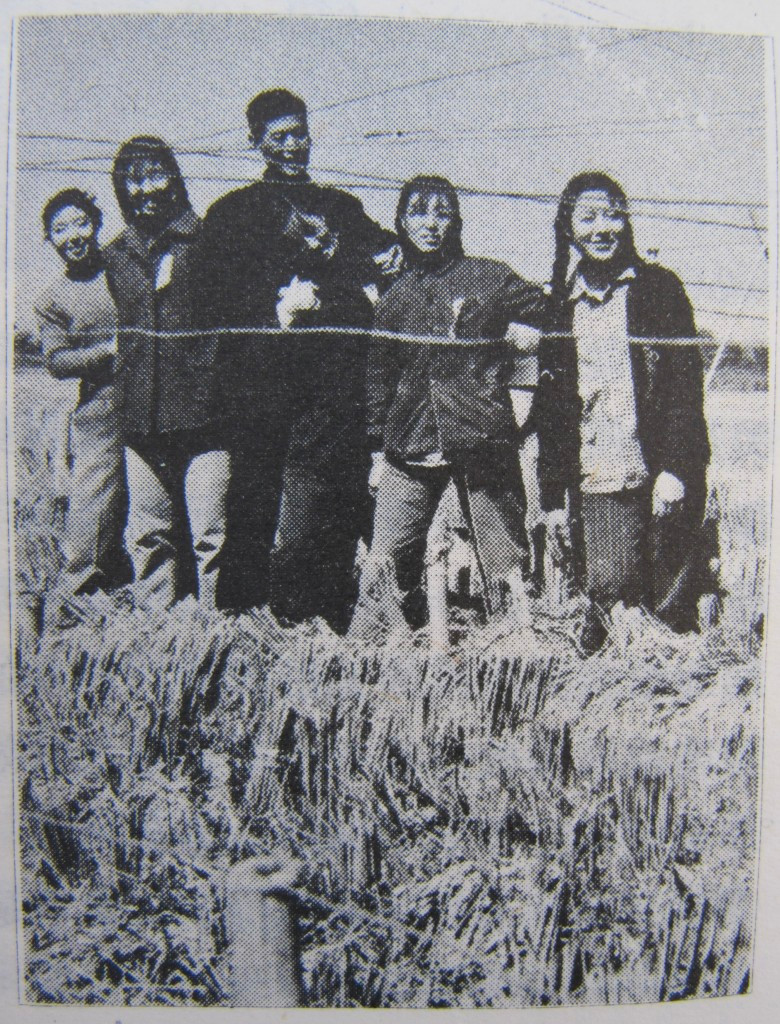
(262, 388)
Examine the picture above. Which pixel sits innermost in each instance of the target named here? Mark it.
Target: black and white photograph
(389, 442)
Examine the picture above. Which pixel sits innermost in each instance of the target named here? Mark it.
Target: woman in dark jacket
(620, 423)
(441, 412)
(177, 468)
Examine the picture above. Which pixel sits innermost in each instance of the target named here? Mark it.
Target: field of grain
(510, 825)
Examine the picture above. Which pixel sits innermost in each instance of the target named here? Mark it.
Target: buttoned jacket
(164, 383)
(668, 389)
(245, 256)
(452, 398)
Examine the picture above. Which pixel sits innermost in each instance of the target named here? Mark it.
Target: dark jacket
(668, 383)
(164, 384)
(247, 253)
(449, 398)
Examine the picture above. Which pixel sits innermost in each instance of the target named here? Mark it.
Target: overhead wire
(389, 187)
(386, 183)
(492, 131)
(379, 183)
(438, 79)
(569, 10)
(567, 126)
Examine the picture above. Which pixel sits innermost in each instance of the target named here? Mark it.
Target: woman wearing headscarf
(442, 411)
(621, 423)
(176, 463)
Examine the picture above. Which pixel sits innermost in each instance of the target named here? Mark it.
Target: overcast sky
(675, 117)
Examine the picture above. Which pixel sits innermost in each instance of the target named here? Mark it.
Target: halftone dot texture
(513, 825)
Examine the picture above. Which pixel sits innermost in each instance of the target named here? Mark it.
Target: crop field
(508, 825)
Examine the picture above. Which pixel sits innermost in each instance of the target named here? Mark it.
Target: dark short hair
(270, 105)
(428, 185)
(71, 197)
(152, 148)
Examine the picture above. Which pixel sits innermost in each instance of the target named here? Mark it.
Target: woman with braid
(621, 424)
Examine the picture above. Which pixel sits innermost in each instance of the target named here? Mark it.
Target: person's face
(597, 225)
(72, 233)
(427, 219)
(149, 188)
(286, 144)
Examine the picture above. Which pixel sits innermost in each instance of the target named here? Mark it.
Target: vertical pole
(261, 930)
(438, 621)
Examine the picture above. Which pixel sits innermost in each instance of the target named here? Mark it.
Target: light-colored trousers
(492, 499)
(92, 542)
(176, 511)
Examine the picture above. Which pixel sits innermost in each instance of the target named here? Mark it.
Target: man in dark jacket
(442, 411)
(286, 252)
(177, 470)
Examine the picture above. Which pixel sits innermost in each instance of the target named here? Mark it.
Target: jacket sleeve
(524, 302)
(211, 270)
(498, 302)
(383, 370)
(682, 444)
(368, 238)
(555, 416)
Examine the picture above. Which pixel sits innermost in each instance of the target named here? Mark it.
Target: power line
(517, 135)
(449, 76)
(392, 186)
(53, 137)
(403, 133)
(466, 73)
(726, 287)
(454, 75)
(65, 169)
(609, 10)
(563, 126)
(380, 184)
(250, 155)
(569, 10)
(736, 314)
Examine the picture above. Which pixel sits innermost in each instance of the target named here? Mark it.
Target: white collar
(579, 287)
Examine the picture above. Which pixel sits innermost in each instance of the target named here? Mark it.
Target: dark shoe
(594, 632)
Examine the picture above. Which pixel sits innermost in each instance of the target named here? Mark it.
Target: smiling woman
(622, 434)
(71, 221)
(444, 414)
(598, 223)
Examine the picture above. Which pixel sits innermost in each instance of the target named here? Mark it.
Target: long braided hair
(588, 181)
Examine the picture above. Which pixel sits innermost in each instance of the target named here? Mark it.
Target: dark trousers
(252, 512)
(614, 531)
(681, 545)
(325, 510)
(297, 505)
(624, 553)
